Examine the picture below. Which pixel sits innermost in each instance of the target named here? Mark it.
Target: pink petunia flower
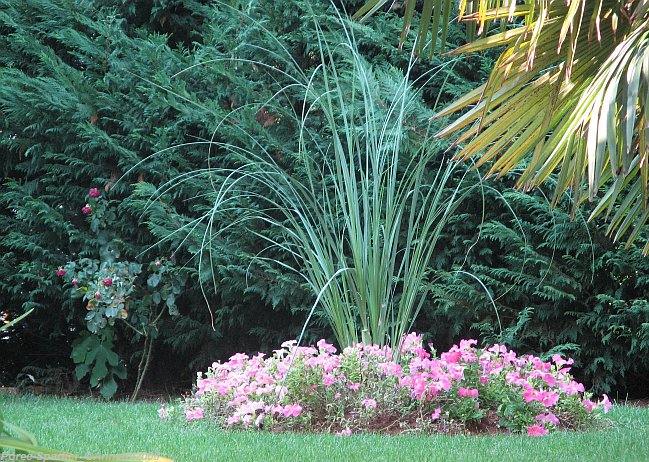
(345, 432)
(435, 415)
(292, 410)
(328, 380)
(550, 398)
(572, 387)
(390, 368)
(589, 405)
(532, 394)
(354, 386)
(549, 379)
(549, 418)
(163, 414)
(606, 403)
(326, 347)
(369, 403)
(560, 362)
(194, 414)
(536, 430)
(259, 420)
(468, 392)
(411, 342)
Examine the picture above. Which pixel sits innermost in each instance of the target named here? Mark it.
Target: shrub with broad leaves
(117, 291)
(372, 388)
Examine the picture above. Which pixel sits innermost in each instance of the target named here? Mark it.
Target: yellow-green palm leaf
(568, 94)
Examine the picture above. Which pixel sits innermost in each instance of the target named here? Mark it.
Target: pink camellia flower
(86, 209)
(337, 395)
(94, 193)
(536, 430)
(107, 281)
(75, 282)
(345, 432)
(97, 295)
(194, 414)
(369, 403)
(435, 415)
(158, 263)
(60, 272)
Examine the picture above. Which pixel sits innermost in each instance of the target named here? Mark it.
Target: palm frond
(435, 17)
(568, 94)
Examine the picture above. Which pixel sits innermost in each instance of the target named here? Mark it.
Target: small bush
(371, 388)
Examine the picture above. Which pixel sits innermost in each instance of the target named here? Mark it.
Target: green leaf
(82, 347)
(108, 388)
(153, 281)
(99, 371)
(173, 310)
(81, 371)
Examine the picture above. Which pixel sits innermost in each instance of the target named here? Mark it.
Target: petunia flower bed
(466, 389)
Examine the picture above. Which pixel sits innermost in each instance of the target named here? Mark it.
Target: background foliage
(88, 92)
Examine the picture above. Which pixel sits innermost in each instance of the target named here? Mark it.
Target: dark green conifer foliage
(83, 104)
(89, 91)
(87, 95)
(560, 286)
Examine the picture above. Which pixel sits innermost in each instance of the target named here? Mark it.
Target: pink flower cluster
(298, 387)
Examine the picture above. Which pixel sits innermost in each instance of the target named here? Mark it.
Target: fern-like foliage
(555, 284)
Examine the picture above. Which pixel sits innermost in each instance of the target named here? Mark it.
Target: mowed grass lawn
(90, 427)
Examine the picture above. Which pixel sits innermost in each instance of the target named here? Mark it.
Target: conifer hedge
(125, 96)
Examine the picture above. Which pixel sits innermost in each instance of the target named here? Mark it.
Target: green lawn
(93, 427)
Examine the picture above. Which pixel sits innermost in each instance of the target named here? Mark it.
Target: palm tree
(569, 94)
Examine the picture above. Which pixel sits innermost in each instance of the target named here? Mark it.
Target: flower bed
(465, 389)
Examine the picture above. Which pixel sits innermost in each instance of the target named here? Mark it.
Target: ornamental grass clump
(361, 213)
(363, 388)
